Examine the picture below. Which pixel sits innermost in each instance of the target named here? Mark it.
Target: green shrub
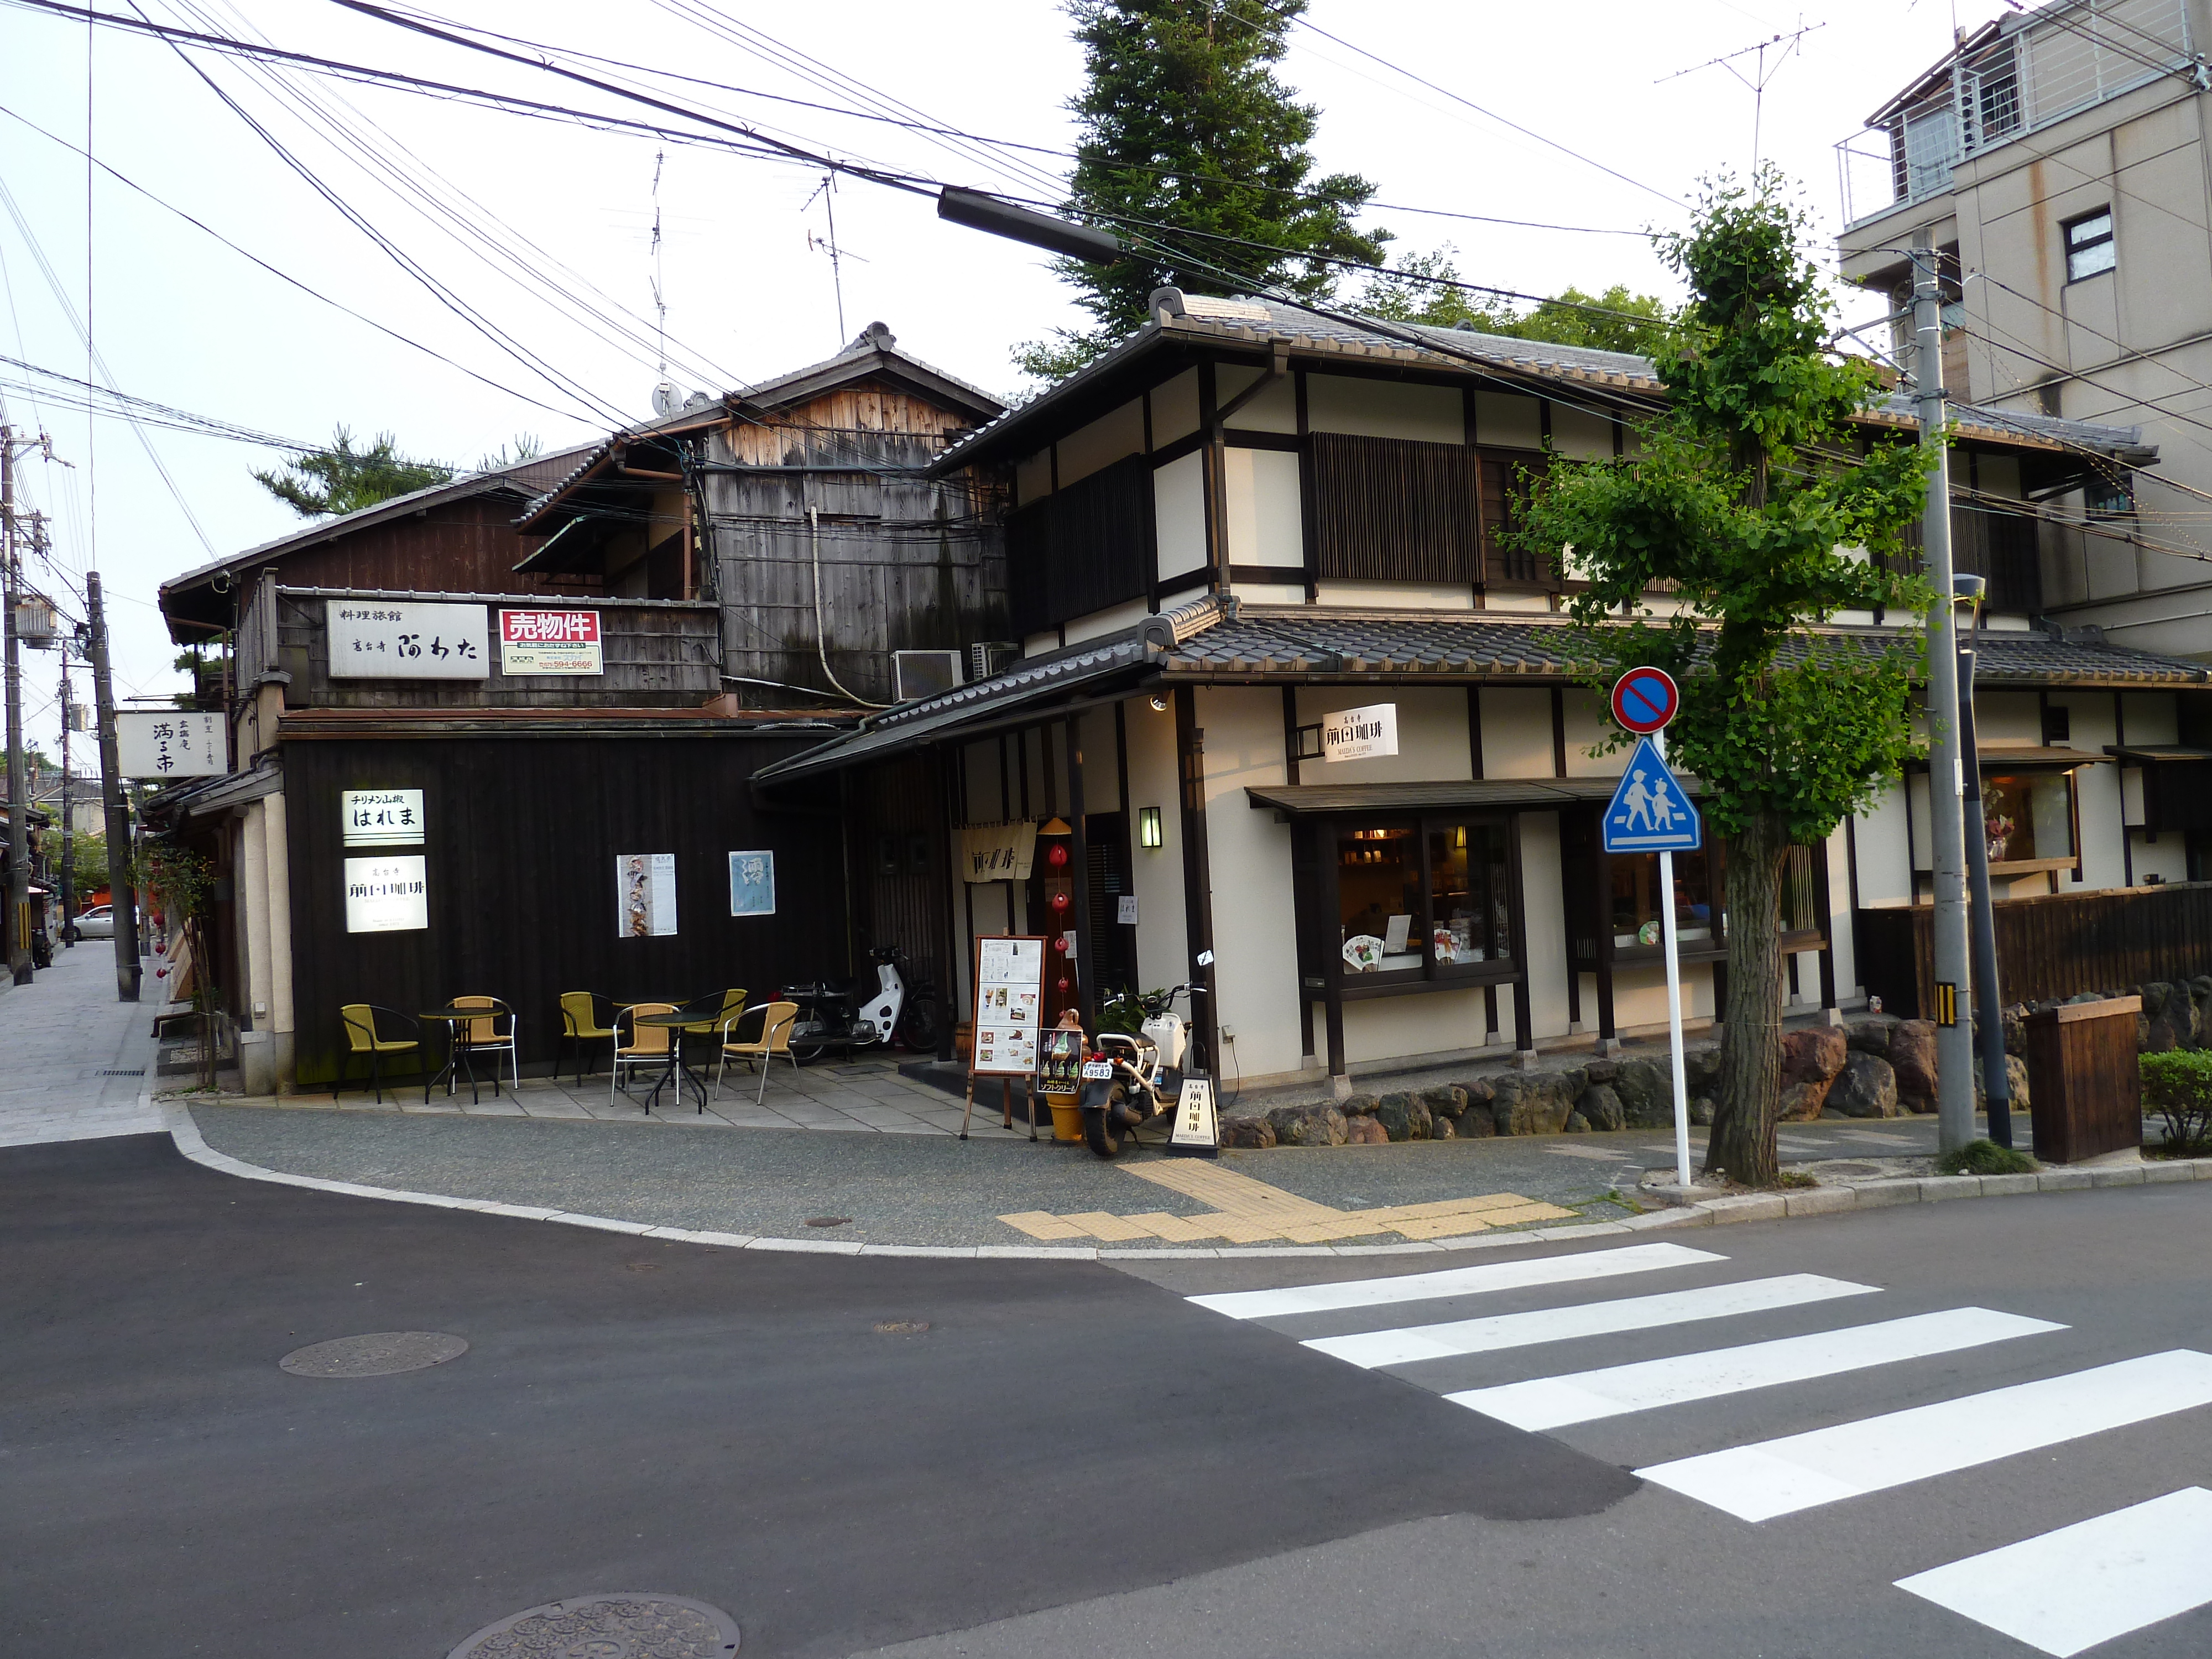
(1984, 1157)
(2177, 1086)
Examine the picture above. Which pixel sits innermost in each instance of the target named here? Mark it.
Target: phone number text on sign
(550, 643)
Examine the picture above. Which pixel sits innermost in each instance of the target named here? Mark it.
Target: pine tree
(341, 479)
(1185, 125)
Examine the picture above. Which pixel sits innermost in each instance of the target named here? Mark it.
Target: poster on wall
(1359, 733)
(752, 884)
(645, 895)
(1009, 1004)
(387, 894)
(383, 817)
(174, 744)
(550, 643)
(401, 640)
(998, 852)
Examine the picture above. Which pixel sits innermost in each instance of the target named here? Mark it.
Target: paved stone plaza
(78, 1059)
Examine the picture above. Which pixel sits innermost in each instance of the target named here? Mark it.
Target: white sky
(182, 319)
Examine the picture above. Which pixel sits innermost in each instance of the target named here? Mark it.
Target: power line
(90, 397)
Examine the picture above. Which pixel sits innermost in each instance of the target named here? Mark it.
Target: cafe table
(674, 1022)
(457, 1052)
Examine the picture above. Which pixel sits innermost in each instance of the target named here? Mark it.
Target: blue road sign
(1651, 812)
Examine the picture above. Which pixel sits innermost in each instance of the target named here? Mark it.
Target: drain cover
(382, 1353)
(635, 1626)
(830, 1221)
(902, 1327)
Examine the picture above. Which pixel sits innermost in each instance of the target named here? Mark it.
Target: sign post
(1003, 1040)
(1651, 812)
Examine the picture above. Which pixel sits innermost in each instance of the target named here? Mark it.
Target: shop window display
(1468, 917)
(1636, 918)
(1378, 881)
(2027, 817)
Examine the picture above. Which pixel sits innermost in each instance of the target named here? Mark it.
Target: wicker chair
(586, 1017)
(364, 1035)
(776, 1020)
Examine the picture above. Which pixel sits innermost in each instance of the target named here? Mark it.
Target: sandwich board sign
(1197, 1132)
(1650, 812)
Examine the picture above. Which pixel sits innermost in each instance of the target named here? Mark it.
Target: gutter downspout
(821, 632)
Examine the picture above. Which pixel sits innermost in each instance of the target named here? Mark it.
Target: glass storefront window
(1468, 919)
(2029, 815)
(1378, 881)
(1636, 914)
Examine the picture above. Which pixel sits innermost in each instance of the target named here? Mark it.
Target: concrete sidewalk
(76, 1060)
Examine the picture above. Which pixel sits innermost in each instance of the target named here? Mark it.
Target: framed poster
(1009, 1002)
(178, 744)
(405, 640)
(387, 894)
(383, 817)
(752, 884)
(645, 895)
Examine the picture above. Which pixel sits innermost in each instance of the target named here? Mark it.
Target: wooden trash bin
(2084, 1086)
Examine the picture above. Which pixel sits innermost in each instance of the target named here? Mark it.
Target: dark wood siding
(2048, 947)
(1391, 509)
(901, 865)
(1082, 549)
(467, 546)
(522, 838)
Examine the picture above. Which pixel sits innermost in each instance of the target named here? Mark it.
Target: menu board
(1009, 1002)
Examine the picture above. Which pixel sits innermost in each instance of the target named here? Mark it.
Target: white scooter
(828, 1020)
(1128, 1081)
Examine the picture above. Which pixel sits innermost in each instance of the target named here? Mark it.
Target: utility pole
(19, 808)
(69, 833)
(121, 902)
(1947, 760)
(1989, 1003)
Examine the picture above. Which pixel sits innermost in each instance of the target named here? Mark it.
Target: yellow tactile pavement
(1248, 1212)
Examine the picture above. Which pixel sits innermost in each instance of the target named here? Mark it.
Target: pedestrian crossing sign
(1650, 812)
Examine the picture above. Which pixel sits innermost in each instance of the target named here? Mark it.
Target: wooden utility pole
(18, 809)
(69, 833)
(122, 901)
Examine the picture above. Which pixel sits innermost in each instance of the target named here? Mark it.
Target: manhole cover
(830, 1221)
(382, 1353)
(632, 1626)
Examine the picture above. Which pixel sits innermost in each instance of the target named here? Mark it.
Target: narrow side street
(77, 1060)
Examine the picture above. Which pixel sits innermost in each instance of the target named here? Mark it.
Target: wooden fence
(2052, 947)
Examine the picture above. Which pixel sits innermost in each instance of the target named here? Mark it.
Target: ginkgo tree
(1750, 513)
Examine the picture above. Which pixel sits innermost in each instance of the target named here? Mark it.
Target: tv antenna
(827, 191)
(1783, 47)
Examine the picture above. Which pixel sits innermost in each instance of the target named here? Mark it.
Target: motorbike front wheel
(1100, 1133)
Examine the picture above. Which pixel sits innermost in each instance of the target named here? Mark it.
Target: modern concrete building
(2057, 161)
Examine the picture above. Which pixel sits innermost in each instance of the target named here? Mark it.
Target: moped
(1127, 1080)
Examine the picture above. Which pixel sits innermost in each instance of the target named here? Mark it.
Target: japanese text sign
(1357, 733)
(383, 817)
(176, 743)
(550, 643)
(387, 894)
(399, 640)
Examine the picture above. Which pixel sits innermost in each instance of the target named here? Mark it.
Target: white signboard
(383, 817)
(176, 744)
(400, 640)
(550, 643)
(1124, 910)
(1357, 733)
(1009, 1002)
(645, 895)
(1196, 1128)
(387, 894)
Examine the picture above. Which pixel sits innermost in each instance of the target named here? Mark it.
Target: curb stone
(1840, 1197)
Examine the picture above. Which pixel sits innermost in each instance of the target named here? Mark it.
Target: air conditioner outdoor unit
(990, 657)
(924, 673)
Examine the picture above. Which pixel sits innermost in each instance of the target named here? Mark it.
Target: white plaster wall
(1174, 410)
(1268, 593)
(1589, 722)
(1041, 644)
(1533, 604)
(1837, 853)
(1275, 408)
(1580, 435)
(1117, 433)
(1432, 735)
(1262, 508)
(1385, 409)
(1544, 900)
(2151, 716)
(2168, 856)
(2003, 719)
(1032, 477)
(1390, 1029)
(1639, 995)
(1108, 621)
(1508, 420)
(1517, 731)
(2089, 726)
(1396, 596)
(1179, 512)
(1254, 937)
(1885, 862)
(1102, 770)
(1156, 873)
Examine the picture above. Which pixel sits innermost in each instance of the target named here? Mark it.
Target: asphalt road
(1073, 1459)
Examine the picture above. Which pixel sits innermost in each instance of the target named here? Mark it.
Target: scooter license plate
(1098, 1071)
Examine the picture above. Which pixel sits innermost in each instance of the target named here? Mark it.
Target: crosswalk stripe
(1803, 1471)
(1456, 1281)
(1405, 1345)
(1552, 1402)
(2070, 1590)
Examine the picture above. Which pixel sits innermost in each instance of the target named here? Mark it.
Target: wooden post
(1524, 1031)
(1086, 946)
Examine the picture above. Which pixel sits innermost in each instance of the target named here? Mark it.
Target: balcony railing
(2036, 70)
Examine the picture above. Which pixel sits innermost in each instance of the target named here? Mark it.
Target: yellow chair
(363, 1037)
(647, 1045)
(586, 1017)
(472, 1037)
(718, 1023)
(776, 1020)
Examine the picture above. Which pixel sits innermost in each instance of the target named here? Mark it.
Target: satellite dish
(665, 400)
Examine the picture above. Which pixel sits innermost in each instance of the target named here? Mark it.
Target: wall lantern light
(1159, 702)
(1148, 826)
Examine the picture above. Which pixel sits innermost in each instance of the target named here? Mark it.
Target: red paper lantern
(1055, 855)
(1059, 943)
(1059, 901)
(1063, 981)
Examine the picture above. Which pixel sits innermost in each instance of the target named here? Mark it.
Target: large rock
(1254, 1131)
(1403, 1117)
(1476, 1123)
(1601, 1107)
(1703, 1068)
(1701, 1110)
(2015, 1077)
(1802, 1101)
(1533, 1103)
(1358, 1106)
(1867, 1088)
(1913, 1059)
(1870, 1037)
(1308, 1126)
(2174, 1024)
(1646, 1089)
(1444, 1103)
(1365, 1131)
(1443, 1128)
